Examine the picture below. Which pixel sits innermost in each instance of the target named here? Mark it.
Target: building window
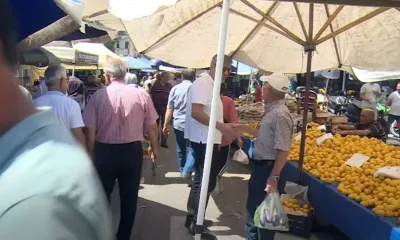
(126, 45)
(117, 44)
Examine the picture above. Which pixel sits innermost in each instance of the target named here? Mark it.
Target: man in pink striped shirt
(115, 117)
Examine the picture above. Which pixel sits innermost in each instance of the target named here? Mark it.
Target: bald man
(367, 127)
(198, 112)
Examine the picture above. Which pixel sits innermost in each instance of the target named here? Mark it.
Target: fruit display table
(354, 220)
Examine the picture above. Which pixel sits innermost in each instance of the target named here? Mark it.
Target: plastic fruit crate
(302, 225)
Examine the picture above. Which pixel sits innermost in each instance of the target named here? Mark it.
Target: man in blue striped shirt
(177, 108)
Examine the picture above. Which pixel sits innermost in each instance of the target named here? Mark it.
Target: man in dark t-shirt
(159, 93)
(367, 127)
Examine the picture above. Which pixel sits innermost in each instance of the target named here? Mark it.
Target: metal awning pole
(309, 49)
(344, 81)
(213, 119)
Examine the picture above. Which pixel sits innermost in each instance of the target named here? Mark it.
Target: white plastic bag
(391, 172)
(298, 192)
(294, 190)
(240, 156)
(271, 215)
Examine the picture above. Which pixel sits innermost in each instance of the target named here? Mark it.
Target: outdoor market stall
(351, 198)
(337, 37)
(83, 54)
(354, 220)
(74, 59)
(249, 112)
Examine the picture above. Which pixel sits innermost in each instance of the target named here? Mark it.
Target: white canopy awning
(268, 35)
(97, 49)
(375, 76)
(68, 55)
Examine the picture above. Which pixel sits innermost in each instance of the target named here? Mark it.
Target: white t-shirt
(394, 97)
(201, 92)
(367, 89)
(66, 109)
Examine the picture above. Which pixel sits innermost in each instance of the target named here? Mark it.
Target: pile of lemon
(293, 205)
(311, 135)
(327, 162)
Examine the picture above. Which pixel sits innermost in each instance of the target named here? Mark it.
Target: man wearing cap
(271, 150)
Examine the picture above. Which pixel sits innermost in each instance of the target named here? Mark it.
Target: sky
(131, 9)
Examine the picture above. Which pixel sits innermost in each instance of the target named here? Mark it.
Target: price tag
(323, 138)
(298, 137)
(357, 160)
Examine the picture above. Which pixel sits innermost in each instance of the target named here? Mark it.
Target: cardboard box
(339, 119)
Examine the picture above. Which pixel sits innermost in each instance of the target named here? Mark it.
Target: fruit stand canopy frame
(310, 43)
(365, 3)
(310, 40)
(277, 27)
(193, 25)
(168, 34)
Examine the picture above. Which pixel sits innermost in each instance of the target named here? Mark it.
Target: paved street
(162, 204)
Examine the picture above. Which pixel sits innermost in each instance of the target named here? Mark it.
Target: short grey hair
(188, 74)
(116, 68)
(370, 111)
(130, 78)
(54, 74)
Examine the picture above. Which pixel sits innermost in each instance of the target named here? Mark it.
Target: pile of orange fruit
(255, 125)
(291, 205)
(327, 162)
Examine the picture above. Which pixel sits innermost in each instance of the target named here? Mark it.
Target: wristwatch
(275, 178)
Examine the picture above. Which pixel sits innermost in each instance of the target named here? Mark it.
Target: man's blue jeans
(185, 158)
(259, 174)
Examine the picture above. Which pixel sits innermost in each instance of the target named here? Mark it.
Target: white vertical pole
(213, 116)
(344, 81)
(73, 71)
(327, 84)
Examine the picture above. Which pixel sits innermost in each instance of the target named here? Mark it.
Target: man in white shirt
(198, 112)
(66, 109)
(394, 103)
(370, 93)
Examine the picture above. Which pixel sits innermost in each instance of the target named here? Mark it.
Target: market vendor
(271, 150)
(367, 127)
(257, 93)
